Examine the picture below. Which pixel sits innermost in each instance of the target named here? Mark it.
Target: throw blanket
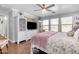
(41, 39)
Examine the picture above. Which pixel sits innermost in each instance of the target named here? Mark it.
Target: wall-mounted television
(31, 25)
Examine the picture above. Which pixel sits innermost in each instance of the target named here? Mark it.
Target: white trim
(12, 41)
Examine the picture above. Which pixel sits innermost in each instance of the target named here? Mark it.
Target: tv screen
(31, 25)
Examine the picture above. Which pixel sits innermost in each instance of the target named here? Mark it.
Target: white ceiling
(59, 8)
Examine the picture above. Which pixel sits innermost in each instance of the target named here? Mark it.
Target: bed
(55, 43)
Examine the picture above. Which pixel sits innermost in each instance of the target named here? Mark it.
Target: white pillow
(76, 35)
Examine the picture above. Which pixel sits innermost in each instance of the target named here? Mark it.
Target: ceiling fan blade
(38, 10)
(50, 6)
(50, 11)
(40, 6)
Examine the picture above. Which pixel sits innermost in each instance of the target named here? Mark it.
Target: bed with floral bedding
(56, 43)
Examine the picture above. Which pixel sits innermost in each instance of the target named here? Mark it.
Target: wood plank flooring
(22, 48)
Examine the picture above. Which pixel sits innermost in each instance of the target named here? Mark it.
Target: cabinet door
(22, 24)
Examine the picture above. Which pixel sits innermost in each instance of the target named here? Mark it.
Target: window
(46, 25)
(54, 24)
(66, 24)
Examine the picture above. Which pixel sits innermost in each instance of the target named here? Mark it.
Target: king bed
(55, 43)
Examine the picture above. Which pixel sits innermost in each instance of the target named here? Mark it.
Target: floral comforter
(60, 43)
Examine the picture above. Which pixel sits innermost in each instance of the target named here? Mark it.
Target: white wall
(3, 26)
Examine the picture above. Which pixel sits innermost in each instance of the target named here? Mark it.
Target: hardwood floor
(22, 48)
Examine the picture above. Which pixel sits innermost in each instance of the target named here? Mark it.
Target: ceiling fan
(45, 8)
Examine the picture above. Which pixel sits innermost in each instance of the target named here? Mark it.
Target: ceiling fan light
(44, 11)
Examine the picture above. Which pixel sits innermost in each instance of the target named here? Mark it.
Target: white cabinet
(30, 33)
(17, 34)
(26, 35)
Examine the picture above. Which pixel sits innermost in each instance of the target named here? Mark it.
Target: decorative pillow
(75, 28)
(76, 34)
(71, 33)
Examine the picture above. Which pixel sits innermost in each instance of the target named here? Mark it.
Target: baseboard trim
(12, 41)
(19, 41)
